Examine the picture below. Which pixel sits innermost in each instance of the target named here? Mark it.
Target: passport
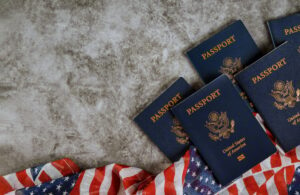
(158, 122)
(284, 29)
(224, 130)
(273, 84)
(225, 52)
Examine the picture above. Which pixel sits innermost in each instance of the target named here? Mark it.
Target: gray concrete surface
(74, 73)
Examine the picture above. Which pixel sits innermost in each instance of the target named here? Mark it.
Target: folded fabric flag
(189, 175)
(37, 175)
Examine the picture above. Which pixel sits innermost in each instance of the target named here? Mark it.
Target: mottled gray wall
(74, 73)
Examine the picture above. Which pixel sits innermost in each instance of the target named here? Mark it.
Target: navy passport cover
(224, 130)
(159, 123)
(226, 52)
(273, 85)
(285, 29)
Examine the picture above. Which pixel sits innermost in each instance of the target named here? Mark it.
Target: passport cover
(284, 29)
(159, 123)
(273, 85)
(226, 52)
(224, 130)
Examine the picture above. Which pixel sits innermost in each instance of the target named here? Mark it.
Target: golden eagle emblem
(181, 136)
(231, 66)
(219, 126)
(285, 95)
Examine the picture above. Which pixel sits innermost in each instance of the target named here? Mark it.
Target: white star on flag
(201, 178)
(58, 187)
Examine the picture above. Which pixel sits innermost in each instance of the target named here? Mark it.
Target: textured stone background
(74, 73)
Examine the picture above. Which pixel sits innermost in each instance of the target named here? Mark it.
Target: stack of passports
(226, 52)
(273, 85)
(159, 124)
(224, 130)
(285, 29)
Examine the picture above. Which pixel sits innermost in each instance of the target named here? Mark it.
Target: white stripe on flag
(52, 171)
(179, 166)
(271, 187)
(128, 172)
(160, 183)
(13, 181)
(107, 179)
(86, 181)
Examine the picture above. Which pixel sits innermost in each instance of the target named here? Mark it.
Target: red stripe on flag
(233, 190)
(150, 188)
(263, 190)
(145, 183)
(290, 170)
(129, 181)
(97, 180)
(280, 182)
(4, 186)
(268, 174)
(115, 179)
(44, 177)
(24, 179)
(169, 180)
(275, 160)
(76, 189)
(292, 155)
(251, 184)
(256, 169)
(65, 166)
(186, 159)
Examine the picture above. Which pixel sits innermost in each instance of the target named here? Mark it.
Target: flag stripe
(131, 180)
(44, 177)
(186, 158)
(13, 181)
(233, 190)
(169, 174)
(275, 160)
(97, 180)
(107, 179)
(150, 189)
(280, 182)
(159, 184)
(115, 181)
(86, 181)
(24, 179)
(290, 170)
(251, 184)
(75, 190)
(4, 186)
(179, 172)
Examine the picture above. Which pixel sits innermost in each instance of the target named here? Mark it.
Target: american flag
(278, 174)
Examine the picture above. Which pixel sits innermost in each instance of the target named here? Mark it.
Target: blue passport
(273, 84)
(224, 130)
(226, 52)
(284, 29)
(158, 122)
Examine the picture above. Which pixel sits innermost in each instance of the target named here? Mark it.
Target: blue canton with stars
(61, 186)
(35, 171)
(294, 187)
(199, 179)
